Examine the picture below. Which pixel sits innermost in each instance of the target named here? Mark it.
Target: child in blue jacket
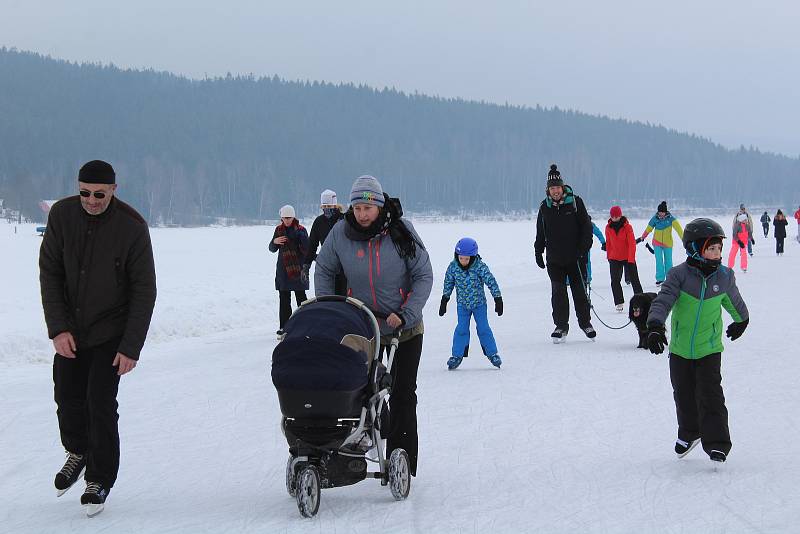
(467, 274)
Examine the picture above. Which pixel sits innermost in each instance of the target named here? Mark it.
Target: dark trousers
(285, 310)
(631, 273)
(403, 400)
(766, 229)
(699, 401)
(779, 245)
(86, 396)
(559, 300)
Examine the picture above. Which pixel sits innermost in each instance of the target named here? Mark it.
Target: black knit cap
(662, 207)
(97, 172)
(554, 177)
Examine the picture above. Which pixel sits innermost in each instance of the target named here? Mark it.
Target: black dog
(637, 312)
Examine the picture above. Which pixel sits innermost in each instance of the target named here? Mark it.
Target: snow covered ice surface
(564, 438)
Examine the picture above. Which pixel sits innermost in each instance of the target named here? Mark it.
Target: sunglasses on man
(97, 194)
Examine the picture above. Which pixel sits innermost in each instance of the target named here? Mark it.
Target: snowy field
(569, 438)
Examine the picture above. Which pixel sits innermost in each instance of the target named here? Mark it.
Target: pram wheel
(399, 474)
(291, 480)
(308, 491)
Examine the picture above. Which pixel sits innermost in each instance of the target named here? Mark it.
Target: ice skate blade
(692, 446)
(93, 509)
(559, 340)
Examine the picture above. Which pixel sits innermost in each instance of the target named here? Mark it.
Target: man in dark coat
(98, 287)
(331, 214)
(564, 229)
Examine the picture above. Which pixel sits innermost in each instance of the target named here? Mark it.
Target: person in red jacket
(621, 253)
(797, 218)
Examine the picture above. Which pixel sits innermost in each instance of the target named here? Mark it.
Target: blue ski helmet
(467, 246)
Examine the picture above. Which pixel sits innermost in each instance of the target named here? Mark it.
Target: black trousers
(285, 310)
(559, 300)
(403, 400)
(779, 245)
(631, 273)
(766, 229)
(699, 401)
(86, 396)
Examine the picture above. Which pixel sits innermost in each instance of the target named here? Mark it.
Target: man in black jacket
(98, 287)
(564, 228)
(331, 214)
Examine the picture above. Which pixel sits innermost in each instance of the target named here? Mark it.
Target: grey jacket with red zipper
(376, 274)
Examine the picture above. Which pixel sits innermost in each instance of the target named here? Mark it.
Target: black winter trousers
(631, 273)
(285, 310)
(86, 395)
(779, 245)
(766, 229)
(699, 401)
(559, 300)
(403, 400)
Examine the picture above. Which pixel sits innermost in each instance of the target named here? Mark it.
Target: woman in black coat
(290, 241)
(779, 222)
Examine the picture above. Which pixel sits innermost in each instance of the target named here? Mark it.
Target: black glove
(304, 274)
(603, 247)
(649, 248)
(735, 330)
(739, 242)
(443, 306)
(639, 240)
(656, 338)
(540, 261)
(498, 305)
(752, 240)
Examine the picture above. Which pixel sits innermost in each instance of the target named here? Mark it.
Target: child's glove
(498, 306)
(656, 338)
(540, 261)
(739, 242)
(443, 306)
(603, 247)
(735, 330)
(752, 240)
(639, 240)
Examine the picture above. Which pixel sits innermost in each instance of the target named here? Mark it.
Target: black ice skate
(589, 331)
(682, 448)
(559, 335)
(71, 472)
(717, 456)
(94, 498)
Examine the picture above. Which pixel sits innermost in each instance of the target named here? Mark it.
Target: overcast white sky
(727, 70)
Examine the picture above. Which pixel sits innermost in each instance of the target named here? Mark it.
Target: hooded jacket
(736, 226)
(376, 273)
(620, 242)
(662, 230)
(468, 283)
(563, 228)
(696, 303)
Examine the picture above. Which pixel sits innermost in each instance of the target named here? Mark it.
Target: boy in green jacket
(695, 292)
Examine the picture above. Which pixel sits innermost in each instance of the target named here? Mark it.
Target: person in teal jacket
(695, 292)
(662, 224)
(467, 274)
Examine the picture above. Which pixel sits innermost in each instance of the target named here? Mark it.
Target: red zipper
(371, 285)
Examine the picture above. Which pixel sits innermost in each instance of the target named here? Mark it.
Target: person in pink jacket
(741, 236)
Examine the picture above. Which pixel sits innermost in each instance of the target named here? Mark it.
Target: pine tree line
(190, 151)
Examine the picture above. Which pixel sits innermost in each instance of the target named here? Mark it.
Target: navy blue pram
(332, 386)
